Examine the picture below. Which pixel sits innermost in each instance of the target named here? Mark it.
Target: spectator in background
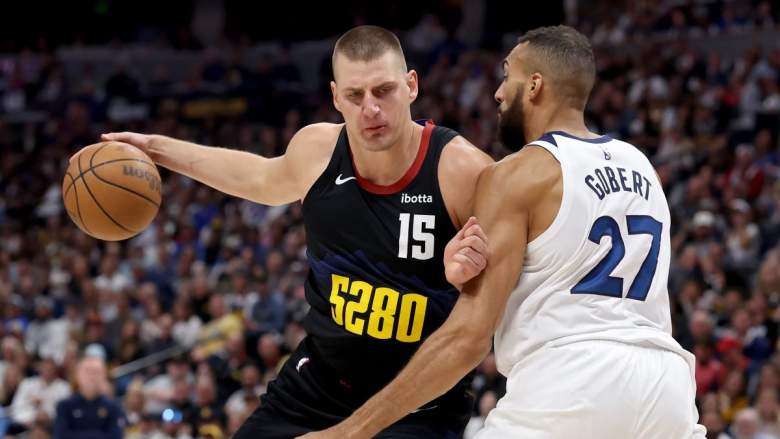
(744, 240)
(133, 406)
(9, 384)
(747, 425)
(187, 326)
(37, 397)
(732, 397)
(268, 312)
(46, 337)
(709, 370)
(251, 388)
(89, 414)
(269, 349)
(712, 421)
(159, 391)
(768, 412)
(207, 416)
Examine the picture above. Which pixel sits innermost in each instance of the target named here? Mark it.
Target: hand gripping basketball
(140, 141)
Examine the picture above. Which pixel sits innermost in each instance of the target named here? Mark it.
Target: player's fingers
(466, 269)
(474, 243)
(135, 139)
(473, 256)
(115, 136)
(463, 265)
(471, 221)
(476, 230)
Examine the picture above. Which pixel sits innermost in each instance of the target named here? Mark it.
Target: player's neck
(566, 119)
(387, 167)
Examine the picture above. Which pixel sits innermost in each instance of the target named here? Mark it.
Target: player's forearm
(226, 170)
(437, 366)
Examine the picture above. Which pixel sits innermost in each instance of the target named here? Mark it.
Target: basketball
(112, 191)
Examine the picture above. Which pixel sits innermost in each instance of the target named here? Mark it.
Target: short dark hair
(366, 43)
(566, 56)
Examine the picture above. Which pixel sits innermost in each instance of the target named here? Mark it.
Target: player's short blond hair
(367, 43)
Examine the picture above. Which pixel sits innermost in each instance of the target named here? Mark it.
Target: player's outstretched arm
(271, 181)
(506, 193)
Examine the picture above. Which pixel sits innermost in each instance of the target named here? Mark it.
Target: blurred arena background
(193, 317)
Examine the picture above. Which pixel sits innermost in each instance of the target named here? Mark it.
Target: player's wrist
(157, 146)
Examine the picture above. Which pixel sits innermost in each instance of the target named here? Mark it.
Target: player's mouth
(376, 129)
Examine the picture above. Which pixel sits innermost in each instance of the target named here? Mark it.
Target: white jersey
(599, 272)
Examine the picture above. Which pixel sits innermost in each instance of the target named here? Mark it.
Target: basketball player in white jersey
(575, 289)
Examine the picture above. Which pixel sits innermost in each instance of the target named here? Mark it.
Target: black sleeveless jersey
(376, 283)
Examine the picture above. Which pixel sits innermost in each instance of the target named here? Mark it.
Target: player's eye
(383, 91)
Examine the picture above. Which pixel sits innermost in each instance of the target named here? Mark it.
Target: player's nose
(370, 108)
(498, 95)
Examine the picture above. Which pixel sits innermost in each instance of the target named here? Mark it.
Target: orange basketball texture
(112, 191)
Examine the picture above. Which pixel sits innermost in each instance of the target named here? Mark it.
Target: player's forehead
(366, 74)
(516, 57)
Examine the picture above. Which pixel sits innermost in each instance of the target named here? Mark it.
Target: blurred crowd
(201, 309)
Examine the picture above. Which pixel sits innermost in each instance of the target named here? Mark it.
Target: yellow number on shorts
(363, 291)
(338, 284)
(412, 308)
(380, 324)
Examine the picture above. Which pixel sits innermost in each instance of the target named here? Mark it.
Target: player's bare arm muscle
(507, 196)
(459, 168)
(271, 181)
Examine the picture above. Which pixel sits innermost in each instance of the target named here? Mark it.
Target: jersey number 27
(598, 280)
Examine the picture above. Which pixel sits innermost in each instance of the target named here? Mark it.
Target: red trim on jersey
(407, 178)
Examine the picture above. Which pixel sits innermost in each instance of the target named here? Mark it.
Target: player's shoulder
(459, 155)
(317, 135)
(530, 166)
(314, 141)
(526, 174)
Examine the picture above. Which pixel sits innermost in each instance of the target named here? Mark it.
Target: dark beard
(511, 132)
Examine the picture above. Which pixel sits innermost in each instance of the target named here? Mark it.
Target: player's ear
(413, 84)
(535, 85)
(334, 91)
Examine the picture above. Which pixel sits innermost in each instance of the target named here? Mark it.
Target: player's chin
(378, 142)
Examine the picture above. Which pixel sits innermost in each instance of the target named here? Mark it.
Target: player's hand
(140, 141)
(466, 255)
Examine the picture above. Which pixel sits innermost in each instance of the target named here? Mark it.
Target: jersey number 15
(422, 232)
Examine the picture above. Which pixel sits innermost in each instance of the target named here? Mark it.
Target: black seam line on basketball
(127, 189)
(78, 208)
(91, 160)
(97, 203)
(92, 168)
(81, 174)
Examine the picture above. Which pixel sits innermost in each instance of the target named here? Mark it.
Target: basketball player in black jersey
(382, 195)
